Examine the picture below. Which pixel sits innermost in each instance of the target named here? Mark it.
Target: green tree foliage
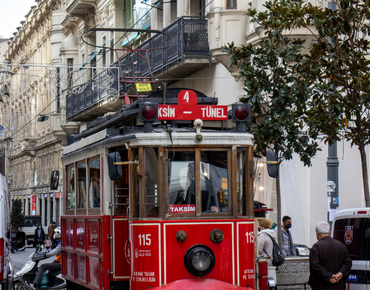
(336, 68)
(277, 92)
(16, 215)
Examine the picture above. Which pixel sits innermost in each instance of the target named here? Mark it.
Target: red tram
(161, 197)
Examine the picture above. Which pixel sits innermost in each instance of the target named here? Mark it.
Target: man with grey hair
(330, 263)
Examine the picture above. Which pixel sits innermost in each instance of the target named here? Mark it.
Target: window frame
(94, 210)
(69, 211)
(163, 153)
(81, 210)
(229, 6)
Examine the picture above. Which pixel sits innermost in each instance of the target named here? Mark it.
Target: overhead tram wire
(153, 6)
(40, 113)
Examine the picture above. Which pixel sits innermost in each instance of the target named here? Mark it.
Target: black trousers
(55, 266)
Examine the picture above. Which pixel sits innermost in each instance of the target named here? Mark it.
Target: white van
(352, 228)
(6, 266)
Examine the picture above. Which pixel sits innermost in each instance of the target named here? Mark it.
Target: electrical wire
(40, 113)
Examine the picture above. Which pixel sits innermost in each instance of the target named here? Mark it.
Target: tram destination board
(188, 109)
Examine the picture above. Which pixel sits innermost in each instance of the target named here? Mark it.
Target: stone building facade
(32, 150)
(3, 48)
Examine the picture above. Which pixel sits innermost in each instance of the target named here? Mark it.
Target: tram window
(81, 185)
(94, 184)
(214, 181)
(151, 181)
(70, 186)
(240, 181)
(180, 178)
(122, 187)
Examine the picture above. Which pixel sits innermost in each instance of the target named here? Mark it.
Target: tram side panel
(121, 250)
(92, 259)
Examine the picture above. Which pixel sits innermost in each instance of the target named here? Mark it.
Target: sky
(12, 13)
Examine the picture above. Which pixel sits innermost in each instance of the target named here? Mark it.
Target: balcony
(97, 96)
(80, 7)
(188, 54)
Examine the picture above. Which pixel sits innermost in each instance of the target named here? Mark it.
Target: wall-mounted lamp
(42, 118)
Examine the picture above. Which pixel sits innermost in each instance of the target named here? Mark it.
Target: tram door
(120, 197)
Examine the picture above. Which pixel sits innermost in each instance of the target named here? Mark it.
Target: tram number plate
(353, 277)
(145, 240)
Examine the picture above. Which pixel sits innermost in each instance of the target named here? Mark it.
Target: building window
(104, 52)
(111, 50)
(93, 66)
(2, 162)
(129, 13)
(231, 4)
(58, 90)
(70, 71)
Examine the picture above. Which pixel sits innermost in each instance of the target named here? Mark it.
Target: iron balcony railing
(190, 37)
(84, 96)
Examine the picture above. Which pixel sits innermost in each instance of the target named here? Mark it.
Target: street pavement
(19, 258)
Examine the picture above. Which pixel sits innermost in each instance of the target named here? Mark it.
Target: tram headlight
(148, 112)
(241, 112)
(199, 260)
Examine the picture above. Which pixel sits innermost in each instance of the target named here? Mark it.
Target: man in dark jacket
(330, 263)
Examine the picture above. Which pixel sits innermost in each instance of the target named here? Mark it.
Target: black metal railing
(190, 36)
(94, 91)
(190, 40)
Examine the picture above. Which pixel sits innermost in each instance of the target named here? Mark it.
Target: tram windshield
(212, 173)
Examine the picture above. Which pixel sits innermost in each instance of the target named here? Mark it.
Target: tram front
(190, 207)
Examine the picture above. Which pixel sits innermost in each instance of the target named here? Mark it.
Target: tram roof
(181, 137)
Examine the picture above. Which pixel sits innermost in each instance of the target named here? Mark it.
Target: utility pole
(332, 183)
(332, 165)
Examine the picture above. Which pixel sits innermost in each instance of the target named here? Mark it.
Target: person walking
(288, 248)
(51, 229)
(14, 231)
(39, 236)
(330, 263)
(265, 240)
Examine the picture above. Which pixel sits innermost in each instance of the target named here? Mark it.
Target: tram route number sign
(188, 109)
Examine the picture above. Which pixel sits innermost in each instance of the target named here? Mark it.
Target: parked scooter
(23, 279)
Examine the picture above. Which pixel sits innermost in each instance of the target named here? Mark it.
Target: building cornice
(33, 23)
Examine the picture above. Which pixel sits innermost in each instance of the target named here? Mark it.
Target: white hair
(322, 228)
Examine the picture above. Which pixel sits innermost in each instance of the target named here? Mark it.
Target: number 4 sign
(188, 109)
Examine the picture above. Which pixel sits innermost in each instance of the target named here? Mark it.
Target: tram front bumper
(201, 283)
